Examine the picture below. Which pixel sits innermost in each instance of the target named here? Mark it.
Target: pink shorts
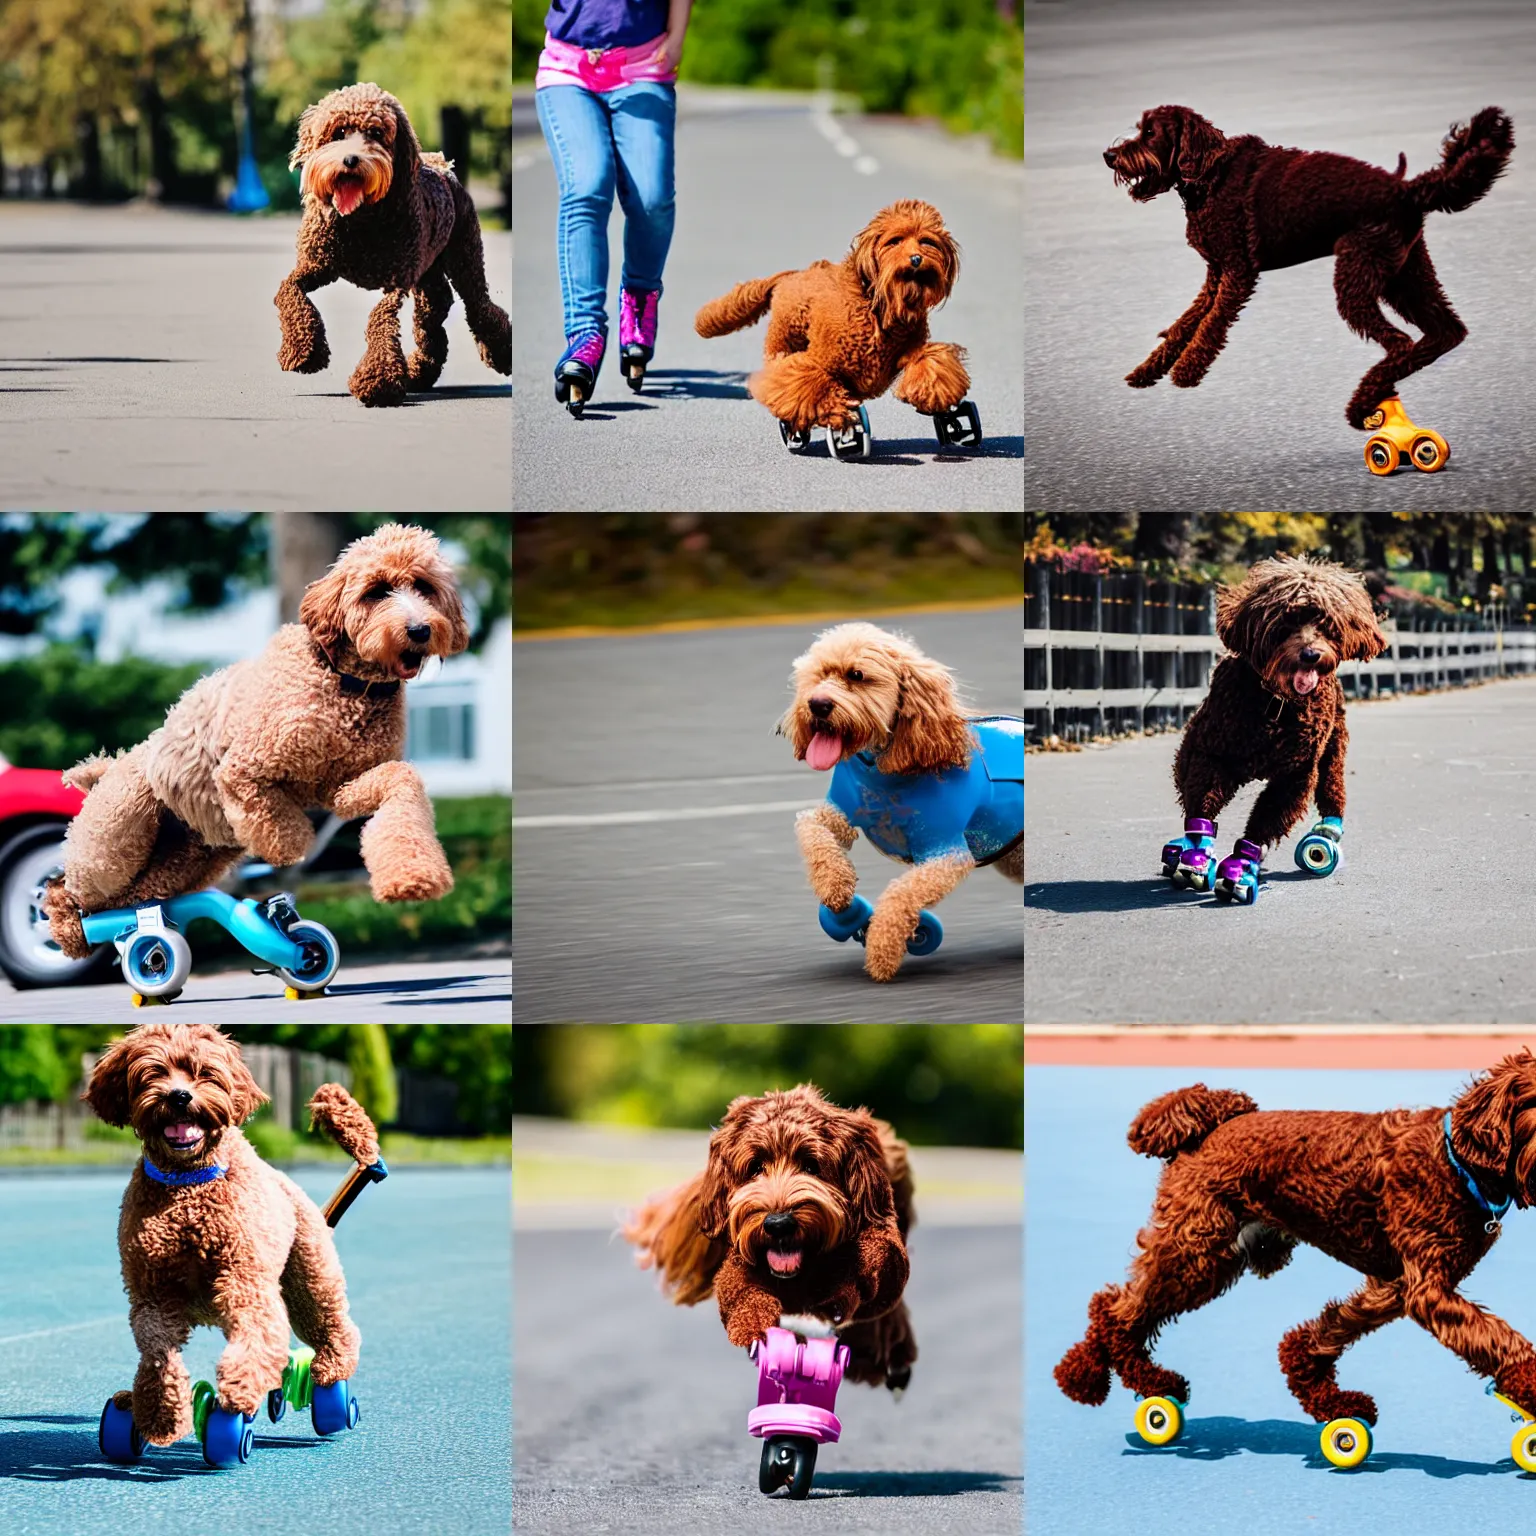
(601, 70)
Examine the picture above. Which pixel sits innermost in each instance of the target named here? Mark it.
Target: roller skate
(1191, 860)
(576, 372)
(1319, 853)
(1523, 1446)
(853, 923)
(1346, 1442)
(959, 427)
(1237, 876)
(1395, 438)
(637, 333)
(1159, 1420)
(797, 1384)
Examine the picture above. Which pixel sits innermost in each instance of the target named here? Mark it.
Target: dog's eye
(810, 1166)
(855, 676)
(929, 241)
(755, 1166)
(894, 240)
(424, 587)
(380, 589)
(340, 133)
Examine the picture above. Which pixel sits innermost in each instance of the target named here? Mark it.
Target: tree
(373, 1073)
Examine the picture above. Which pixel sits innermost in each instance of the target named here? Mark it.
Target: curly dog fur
(1377, 1192)
(317, 720)
(802, 1211)
(839, 334)
(381, 213)
(247, 1252)
(877, 691)
(1251, 207)
(1275, 709)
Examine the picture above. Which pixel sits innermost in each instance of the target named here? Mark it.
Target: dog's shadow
(1217, 1438)
(1136, 895)
(910, 1485)
(426, 396)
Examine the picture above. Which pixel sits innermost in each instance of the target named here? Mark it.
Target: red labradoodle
(802, 1211)
(242, 1249)
(1409, 1199)
(1251, 207)
(381, 213)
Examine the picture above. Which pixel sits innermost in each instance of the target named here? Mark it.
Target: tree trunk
(88, 137)
(304, 544)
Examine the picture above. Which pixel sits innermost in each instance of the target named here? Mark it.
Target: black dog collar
(358, 687)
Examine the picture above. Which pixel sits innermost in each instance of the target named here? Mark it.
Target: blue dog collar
(1494, 1211)
(191, 1176)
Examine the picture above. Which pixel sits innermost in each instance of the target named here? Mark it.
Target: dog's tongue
(1304, 682)
(347, 196)
(183, 1134)
(784, 1263)
(825, 751)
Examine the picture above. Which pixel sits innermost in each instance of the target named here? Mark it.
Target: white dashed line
(840, 140)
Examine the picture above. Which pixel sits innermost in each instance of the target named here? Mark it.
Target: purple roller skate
(1191, 860)
(796, 1388)
(1237, 876)
(637, 333)
(576, 372)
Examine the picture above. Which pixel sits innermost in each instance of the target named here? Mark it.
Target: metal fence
(1123, 653)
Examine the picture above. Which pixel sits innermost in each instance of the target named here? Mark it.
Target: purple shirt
(606, 23)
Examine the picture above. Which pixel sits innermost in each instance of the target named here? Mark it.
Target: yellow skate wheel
(1523, 1447)
(1159, 1420)
(1427, 454)
(1346, 1442)
(1381, 456)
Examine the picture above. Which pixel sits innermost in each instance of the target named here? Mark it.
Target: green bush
(373, 1073)
(30, 1064)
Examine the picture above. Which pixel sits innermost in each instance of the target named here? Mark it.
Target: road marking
(838, 137)
(640, 818)
(43, 1333)
(766, 620)
(523, 161)
(640, 784)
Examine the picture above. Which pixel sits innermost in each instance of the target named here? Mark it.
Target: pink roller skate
(796, 1387)
(637, 333)
(576, 372)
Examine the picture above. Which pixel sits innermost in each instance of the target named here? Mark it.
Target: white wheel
(157, 963)
(323, 952)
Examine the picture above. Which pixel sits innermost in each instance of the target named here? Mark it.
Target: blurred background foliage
(42, 1061)
(959, 61)
(114, 98)
(621, 569)
(955, 1084)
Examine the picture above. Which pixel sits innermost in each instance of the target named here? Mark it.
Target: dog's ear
(107, 1092)
(1482, 1118)
(1235, 621)
(930, 732)
(452, 609)
(1360, 636)
(322, 611)
(248, 1097)
(865, 1181)
(407, 149)
(1200, 141)
(864, 253)
(715, 1192)
(311, 121)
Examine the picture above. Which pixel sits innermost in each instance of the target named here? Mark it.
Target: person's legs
(643, 117)
(576, 128)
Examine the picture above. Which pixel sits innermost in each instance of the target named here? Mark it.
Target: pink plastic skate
(796, 1388)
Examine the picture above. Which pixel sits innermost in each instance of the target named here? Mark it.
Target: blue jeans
(598, 142)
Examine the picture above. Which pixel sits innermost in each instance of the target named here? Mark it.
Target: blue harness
(978, 809)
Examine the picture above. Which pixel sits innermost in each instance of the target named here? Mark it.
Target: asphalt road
(1249, 1458)
(1427, 919)
(630, 1413)
(469, 991)
(138, 372)
(428, 1274)
(760, 188)
(694, 905)
(1266, 427)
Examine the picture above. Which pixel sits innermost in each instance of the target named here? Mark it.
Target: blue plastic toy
(156, 959)
(1237, 876)
(1319, 852)
(914, 817)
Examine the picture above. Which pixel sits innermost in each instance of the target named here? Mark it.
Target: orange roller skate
(1394, 438)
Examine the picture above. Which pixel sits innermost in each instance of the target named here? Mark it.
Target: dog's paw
(426, 881)
(1144, 377)
(292, 358)
(1186, 375)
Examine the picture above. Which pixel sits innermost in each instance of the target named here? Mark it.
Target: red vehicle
(35, 807)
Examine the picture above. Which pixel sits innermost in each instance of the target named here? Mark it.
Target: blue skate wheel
(333, 1408)
(1318, 855)
(227, 1439)
(850, 923)
(118, 1435)
(157, 963)
(277, 1405)
(929, 935)
(322, 957)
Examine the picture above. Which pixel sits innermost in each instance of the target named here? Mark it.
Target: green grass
(867, 587)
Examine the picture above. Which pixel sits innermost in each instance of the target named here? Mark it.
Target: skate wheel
(850, 923)
(927, 936)
(1159, 1420)
(796, 439)
(157, 963)
(787, 1461)
(1427, 454)
(322, 959)
(227, 1439)
(1346, 1442)
(851, 442)
(1381, 456)
(333, 1408)
(277, 1405)
(1317, 855)
(1523, 1447)
(117, 1434)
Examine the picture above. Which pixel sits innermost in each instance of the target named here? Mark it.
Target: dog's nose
(1310, 657)
(179, 1098)
(350, 161)
(916, 260)
(820, 708)
(419, 633)
(1109, 158)
(780, 1224)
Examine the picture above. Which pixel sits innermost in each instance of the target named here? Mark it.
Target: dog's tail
(667, 1234)
(744, 305)
(1472, 158)
(334, 1111)
(1181, 1120)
